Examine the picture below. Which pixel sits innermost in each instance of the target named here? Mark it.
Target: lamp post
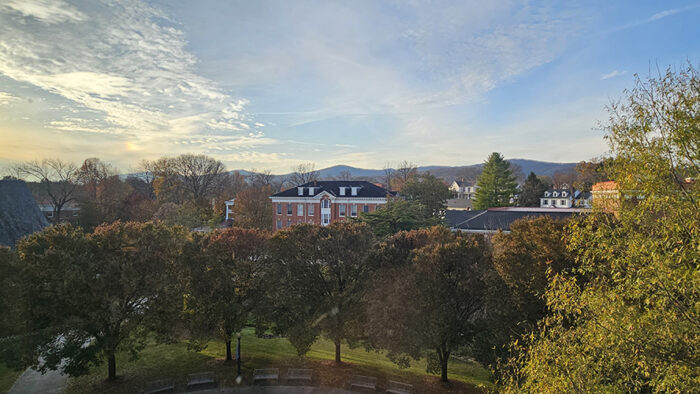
(238, 353)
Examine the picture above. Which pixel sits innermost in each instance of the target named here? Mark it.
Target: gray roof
(366, 189)
(492, 220)
(19, 214)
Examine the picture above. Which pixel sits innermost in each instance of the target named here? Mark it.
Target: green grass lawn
(7, 377)
(175, 361)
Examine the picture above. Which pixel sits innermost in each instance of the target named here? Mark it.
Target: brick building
(325, 202)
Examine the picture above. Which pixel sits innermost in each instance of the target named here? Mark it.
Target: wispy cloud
(125, 64)
(669, 12)
(7, 98)
(613, 74)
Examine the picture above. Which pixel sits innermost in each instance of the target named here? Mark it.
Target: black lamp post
(238, 355)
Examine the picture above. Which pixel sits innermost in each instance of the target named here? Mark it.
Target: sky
(272, 84)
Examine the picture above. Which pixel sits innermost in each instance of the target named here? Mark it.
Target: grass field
(175, 361)
(7, 377)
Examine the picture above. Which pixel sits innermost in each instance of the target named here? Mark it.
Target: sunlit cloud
(613, 74)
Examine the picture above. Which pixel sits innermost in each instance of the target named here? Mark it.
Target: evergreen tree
(496, 185)
(532, 190)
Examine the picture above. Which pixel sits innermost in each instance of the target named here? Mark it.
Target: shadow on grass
(175, 361)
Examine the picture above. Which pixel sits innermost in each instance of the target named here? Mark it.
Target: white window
(341, 210)
(555, 194)
(353, 210)
(289, 209)
(326, 204)
(546, 194)
(279, 208)
(563, 194)
(300, 191)
(325, 219)
(300, 209)
(365, 208)
(342, 190)
(545, 202)
(279, 224)
(562, 202)
(312, 207)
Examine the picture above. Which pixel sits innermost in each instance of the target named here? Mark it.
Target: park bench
(395, 387)
(200, 379)
(160, 386)
(363, 382)
(299, 374)
(266, 374)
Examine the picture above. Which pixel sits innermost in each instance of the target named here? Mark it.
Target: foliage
(57, 179)
(590, 173)
(187, 177)
(496, 186)
(320, 274)
(531, 191)
(633, 324)
(186, 214)
(253, 208)
(431, 303)
(524, 260)
(398, 178)
(91, 295)
(222, 274)
(429, 191)
(398, 215)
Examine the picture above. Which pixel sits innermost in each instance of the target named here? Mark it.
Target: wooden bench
(200, 379)
(363, 382)
(395, 387)
(299, 374)
(160, 386)
(266, 374)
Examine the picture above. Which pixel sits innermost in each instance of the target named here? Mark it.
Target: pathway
(31, 381)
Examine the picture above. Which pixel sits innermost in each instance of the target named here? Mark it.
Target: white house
(463, 190)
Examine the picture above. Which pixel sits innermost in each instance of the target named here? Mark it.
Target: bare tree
(345, 176)
(260, 178)
(304, 173)
(405, 171)
(388, 175)
(196, 177)
(92, 173)
(58, 180)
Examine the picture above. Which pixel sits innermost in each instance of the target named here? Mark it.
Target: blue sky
(270, 84)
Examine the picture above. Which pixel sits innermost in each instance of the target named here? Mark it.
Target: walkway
(31, 382)
(275, 390)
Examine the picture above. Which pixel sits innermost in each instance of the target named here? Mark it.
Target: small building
(557, 198)
(69, 212)
(463, 190)
(19, 213)
(325, 202)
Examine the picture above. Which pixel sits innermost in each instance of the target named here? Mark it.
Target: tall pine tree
(496, 185)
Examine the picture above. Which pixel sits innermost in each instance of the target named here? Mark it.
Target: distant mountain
(446, 172)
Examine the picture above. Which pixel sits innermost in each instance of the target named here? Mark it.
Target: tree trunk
(443, 369)
(337, 352)
(112, 367)
(228, 350)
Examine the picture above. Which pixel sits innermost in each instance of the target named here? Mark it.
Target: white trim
(363, 200)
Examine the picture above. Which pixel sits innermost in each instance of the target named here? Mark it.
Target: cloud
(7, 98)
(613, 74)
(123, 67)
(47, 11)
(669, 12)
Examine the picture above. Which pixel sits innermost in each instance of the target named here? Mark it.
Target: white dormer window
(311, 191)
(300, 191)
(563, 194)
(546, 194)
(342, 190)
(353, 190)
(555, 194)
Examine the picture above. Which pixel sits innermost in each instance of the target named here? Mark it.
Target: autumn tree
(324, 272)
(627, 320)
(428, 308)
(222, 277)
(253, 208)
(524, 259)
(431, 192)
(58, 180)
(496, 186)
(101, 293)
(531, 192)
(187, 177)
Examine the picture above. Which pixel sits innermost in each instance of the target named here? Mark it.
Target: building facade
(325, 202)
(463, 190)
